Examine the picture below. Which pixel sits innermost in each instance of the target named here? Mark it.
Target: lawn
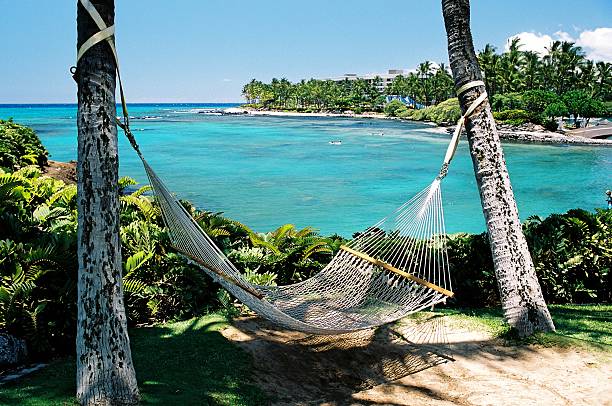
(191, 363)
(184, 363)
(588, 326)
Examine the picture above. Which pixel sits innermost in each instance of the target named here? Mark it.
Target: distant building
(385, 78)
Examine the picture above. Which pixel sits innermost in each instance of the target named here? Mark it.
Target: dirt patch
(64, 171)
(382, 368)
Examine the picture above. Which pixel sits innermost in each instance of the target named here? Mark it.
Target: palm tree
(413, 86)
(105, 373)
(520, 292)
(443, 86)
(489, 60)
(532, 70)
(604, 80)
(565, 59)
(510, 66)
(424, 72)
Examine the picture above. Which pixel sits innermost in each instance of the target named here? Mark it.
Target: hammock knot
(443, 171)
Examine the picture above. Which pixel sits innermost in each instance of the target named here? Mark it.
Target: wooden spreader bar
(393, 269)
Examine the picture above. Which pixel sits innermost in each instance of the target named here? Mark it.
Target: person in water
(609, 194)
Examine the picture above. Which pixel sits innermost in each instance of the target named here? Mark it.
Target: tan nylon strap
(452, 146)
(468, 86)
(107, 34)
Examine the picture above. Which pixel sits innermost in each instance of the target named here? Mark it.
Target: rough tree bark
(105, 374)
(520, 292)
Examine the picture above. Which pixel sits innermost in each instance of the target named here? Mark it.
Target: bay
(268, 171)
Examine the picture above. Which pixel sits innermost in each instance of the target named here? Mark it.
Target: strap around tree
(452, 146)
(107, 33)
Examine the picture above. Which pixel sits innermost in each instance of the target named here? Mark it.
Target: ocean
(268, 171)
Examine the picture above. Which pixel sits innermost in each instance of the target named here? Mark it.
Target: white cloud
(597, 43)
(227, 80)
(564, 36)
(531, 41)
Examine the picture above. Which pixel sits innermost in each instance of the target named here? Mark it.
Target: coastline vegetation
(524, 86)
(38, 266)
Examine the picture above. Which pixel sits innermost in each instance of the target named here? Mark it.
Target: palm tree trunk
(520, 291)
(105, 374)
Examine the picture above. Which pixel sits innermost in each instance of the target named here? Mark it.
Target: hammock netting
(396, 267)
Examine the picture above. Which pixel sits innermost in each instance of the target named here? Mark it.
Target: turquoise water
(267, 171)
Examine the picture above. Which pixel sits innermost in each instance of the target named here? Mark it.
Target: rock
(13, 350)
(233, 111)
(64, 171)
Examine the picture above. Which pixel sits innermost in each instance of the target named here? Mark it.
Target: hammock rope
(394, 268)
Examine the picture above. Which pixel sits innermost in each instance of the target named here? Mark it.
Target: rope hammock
(394, 268)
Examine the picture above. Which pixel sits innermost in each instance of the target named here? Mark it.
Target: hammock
(394, 268)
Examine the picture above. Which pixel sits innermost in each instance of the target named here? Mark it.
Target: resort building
(385, 78)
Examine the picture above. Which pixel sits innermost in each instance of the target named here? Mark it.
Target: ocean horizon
(267, 171)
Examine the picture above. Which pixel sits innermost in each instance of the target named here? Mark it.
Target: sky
(206, 50)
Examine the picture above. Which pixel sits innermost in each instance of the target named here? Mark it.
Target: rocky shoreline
(527, 133)
(533, 133)
(546, 137)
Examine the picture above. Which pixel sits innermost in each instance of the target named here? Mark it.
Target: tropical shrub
(550, 125)
(446, 112)
(556, 109)
(394, 108)
(38, 265)
(577, 102)
(507, 101)
(20, 146)
(291, 254)
(471, 267)
(536, 101)
(37, 259)
(572, 254)
(512, 116)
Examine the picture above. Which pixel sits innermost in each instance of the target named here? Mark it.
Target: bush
(447, 112)
(38, 265)
(408, 114)
(507, 101)
(572, 254)
(556, 109)
(514, 117)
(536, 101)
(471, 267)
(20, 146)
(551, 125)
(394, 108)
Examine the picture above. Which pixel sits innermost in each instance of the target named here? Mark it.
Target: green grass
(191, 363)
(587, 326)
(184, 363)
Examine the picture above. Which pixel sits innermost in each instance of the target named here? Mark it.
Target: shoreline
(518, 136)
(276, 113)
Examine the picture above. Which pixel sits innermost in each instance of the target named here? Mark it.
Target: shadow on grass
(186, 363)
